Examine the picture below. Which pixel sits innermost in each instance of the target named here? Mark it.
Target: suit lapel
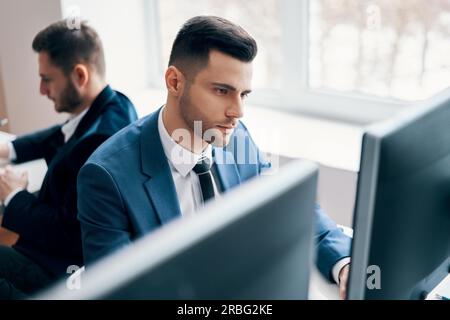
(226, 168)
(160, 186)
(61, 148)
(94, 112)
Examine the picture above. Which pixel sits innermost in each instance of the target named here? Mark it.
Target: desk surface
(442, 290)
(320, 288)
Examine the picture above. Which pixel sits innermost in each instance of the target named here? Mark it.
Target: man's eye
(244, 95)
(221, 91)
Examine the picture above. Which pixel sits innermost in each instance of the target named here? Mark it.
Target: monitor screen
(254, 242)
(402, 211)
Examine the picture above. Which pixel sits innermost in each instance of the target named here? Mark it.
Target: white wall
(336, 192)
(124, 29)
(3, 114)
(20, 21)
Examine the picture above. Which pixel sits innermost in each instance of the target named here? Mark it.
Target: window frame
(296, 96)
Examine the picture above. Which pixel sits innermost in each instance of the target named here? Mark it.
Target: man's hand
(10, 181)
(343, 279)
(4, 150)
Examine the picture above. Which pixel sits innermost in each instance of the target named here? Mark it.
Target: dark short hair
(67, 46)
(201, 34)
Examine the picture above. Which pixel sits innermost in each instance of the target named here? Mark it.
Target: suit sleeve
(49, 224)
(332, 244)
(46, 226)
(104, 226)
(33, 146)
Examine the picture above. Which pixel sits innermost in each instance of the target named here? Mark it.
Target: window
(355, 60)
(389, 48)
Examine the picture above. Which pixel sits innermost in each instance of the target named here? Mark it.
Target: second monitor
(401, 246)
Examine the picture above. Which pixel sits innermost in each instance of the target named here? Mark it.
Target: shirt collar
(68, 129)
(183, 160)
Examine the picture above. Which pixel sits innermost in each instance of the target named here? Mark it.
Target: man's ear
(175, 81)
(80, 74)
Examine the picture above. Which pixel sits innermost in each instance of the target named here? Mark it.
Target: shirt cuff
(11, 196)
(12, 151)
(338, 266)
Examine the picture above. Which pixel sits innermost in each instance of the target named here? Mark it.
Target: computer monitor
(402, 211)
(254, 242)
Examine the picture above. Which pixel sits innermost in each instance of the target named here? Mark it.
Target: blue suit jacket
(126, 190)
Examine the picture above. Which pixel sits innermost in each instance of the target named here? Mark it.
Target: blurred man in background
(72, 72)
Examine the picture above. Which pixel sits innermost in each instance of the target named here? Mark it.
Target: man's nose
(43, 88)
(236, 109)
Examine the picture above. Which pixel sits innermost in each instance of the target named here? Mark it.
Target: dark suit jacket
(126, 190)
(47, 224)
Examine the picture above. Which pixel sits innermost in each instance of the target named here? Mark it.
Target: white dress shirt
(182, 162)
(68, 129)
(338, 266)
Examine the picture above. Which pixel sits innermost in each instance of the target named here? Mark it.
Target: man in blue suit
(72, 71)
(159, 168)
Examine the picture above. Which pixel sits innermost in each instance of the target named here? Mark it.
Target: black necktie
(203, 170)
